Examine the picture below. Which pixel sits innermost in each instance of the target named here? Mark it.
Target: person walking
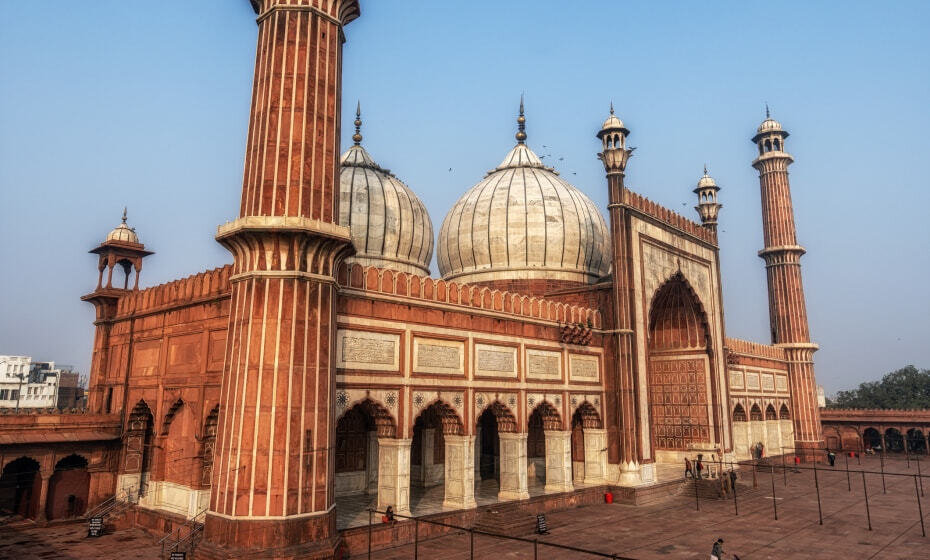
(733, 480)
(797, 464)
(700, 467)
(831, 457)
(688, 469)
(716, 553)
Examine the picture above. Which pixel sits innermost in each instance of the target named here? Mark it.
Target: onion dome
(706, 182)
(123, 233)
(523, 221)
(769, 126)
(389, 225)
(613, 122)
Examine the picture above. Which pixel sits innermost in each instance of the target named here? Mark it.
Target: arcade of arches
(446, 464)
(29, 491)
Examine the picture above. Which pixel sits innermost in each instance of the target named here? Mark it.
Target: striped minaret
(787, 312)
(272, 486)
(614, 156)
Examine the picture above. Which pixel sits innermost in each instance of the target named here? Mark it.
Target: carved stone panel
(543, 364)
(496, 361)
(438, 356)
(752, 381)
(678, 402)
(583, 368)
(736, 380)
(367, 350)
(781, 383)
(768, 382)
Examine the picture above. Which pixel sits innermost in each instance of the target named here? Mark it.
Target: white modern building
(25, 383)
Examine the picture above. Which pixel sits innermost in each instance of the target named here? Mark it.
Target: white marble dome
(769, 125)
(523, 221)
(123, 233)
(389, 225)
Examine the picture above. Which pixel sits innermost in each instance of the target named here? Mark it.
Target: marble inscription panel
(438, 356)
(781, 383)
(367, 350)
(543, 364)
(768, 382)
(583, 368)
(498, 361)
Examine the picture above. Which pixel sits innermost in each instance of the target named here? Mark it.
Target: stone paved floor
(674, 529)
(70, 542)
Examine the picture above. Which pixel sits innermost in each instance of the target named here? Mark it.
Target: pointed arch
(446, 418)
(169, 416)
(677, 320)
(587, 416)
(784, 413)
(739, 413)
(506, 421)
(383, 422)
(770, 413)
(755, 413)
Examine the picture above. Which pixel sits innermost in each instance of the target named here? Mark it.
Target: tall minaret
(782, 255)
(614, 156)
(272, 486)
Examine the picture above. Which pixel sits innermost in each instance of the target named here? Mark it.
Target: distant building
(821, 397)
(28, 384)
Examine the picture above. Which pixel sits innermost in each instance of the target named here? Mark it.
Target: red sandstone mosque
(325, 371)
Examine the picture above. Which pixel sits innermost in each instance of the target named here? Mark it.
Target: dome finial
(768, 115)
(611, 107)
(357, 137)
(521, 124)
(705, 169)
(124, 214)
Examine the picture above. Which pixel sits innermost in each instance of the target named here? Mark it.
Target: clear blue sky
(145, 104)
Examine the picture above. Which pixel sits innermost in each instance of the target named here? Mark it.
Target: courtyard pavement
(671, 529)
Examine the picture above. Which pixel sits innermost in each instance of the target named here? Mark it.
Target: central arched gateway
(678, 370)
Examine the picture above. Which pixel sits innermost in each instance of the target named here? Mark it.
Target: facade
(324, 369)
(25, 384)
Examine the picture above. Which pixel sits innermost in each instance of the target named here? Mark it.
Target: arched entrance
(20, 485)
(894, 440)
(179, 454)
(872, 439)
(137, 451)
(588, 439)
(548, 450)
(440, 455)
(501, 453)
(679, 353)
(916, 443)
(68, 488)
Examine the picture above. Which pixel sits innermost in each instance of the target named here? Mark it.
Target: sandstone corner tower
(782, 255)
(272, 488)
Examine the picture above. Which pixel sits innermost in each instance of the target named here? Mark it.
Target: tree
(906, 388)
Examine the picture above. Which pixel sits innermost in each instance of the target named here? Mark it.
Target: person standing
(716, 553)
(688, 469)
(797, 463)
(699, 467)
(831, 457)
(733, 480)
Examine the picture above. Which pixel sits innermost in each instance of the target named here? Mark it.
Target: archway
(872, 439)
(20, 485)
(440, 456)
(543, 421)
(584, 421)
(137, 453)
(179, 453)
(500, 453)
(356, 450)
(916, 443)
(679, 359)
(68, 488)
(894, 440)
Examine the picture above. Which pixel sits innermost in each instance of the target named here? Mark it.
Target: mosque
(564, 346)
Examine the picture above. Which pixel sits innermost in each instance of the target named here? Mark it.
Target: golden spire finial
(357, 137)
(611, 107)
(124, 214)
(705, 169)
(768, 115)
(521, 124)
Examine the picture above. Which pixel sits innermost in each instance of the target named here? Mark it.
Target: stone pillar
(371, 483)
(513, 467)
(595, 456)
(273, 487)
(43, 497)
(559, 461)
(394, 474)
(460, 472)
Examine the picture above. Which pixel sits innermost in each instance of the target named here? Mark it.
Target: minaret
(782, 255)
(707, 206)
(122, 249)
(272, 487)
(614, 156)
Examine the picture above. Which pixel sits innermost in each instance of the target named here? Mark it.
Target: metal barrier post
(697, 501)
(774, 506)
(920, 476)
(817, 486)
(865, 491)
(920, 509)
(882, 458)
(735, 504)
(535, 549)
(848, 483)
(471, 544)
(416, 538)
(369, 533)
(907, 456)
(784, 469)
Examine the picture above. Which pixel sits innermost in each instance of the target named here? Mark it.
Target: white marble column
(394, 474)
(558, 461)
(741, 440)
(595, 456)
(371, 484)
(460, 472)
(772, 438)
(513, 467)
